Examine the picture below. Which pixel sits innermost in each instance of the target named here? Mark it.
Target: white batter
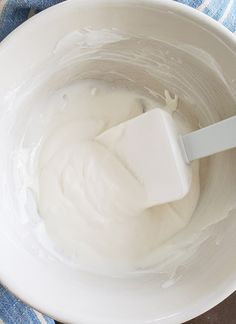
(92, 205)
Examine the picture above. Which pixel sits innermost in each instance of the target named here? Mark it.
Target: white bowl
(65, 293)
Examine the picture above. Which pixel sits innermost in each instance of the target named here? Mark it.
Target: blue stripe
(11, 18)
(216, 8)
(192, 3)
(230, 20)
(38, 4)
(15, 12)
(48, 320)
(13, 311)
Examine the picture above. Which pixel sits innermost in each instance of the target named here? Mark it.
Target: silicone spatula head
(150, 147)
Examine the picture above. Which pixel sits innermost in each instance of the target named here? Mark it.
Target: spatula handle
(210, 140)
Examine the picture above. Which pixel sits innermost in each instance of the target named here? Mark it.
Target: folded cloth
(222, 10)
(13, 311)
(12, 14)
(15, 12)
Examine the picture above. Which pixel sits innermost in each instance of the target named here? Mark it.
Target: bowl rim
(226, 37)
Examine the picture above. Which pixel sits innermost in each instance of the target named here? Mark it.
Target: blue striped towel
(12, 14)
(222, 10)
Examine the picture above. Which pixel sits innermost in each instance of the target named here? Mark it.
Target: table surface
(224, 313)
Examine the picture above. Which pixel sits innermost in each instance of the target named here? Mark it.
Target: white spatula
(151, 148)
